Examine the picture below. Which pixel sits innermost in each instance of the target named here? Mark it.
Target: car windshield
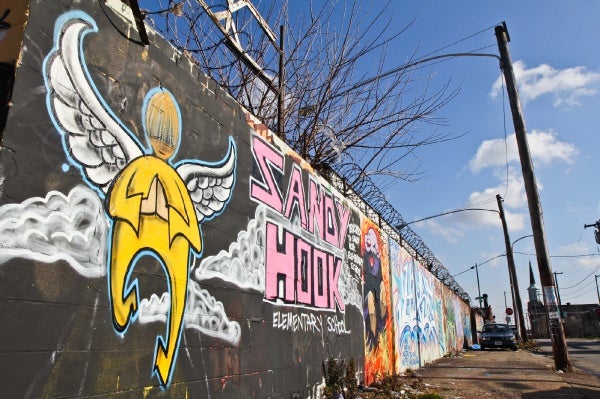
(494, 328)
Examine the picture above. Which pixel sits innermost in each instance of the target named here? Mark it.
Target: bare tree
(344, 111)
(339, 112)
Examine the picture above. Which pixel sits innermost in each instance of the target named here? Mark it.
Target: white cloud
(447, 231)
(510, 186)
(567, 85)
(543, 146)
(453, 227)
(577, 262)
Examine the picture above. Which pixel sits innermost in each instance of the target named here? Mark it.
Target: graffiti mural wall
(457, 322)
(418, 311)
(429, 319)
(379, 332)
(159, 241)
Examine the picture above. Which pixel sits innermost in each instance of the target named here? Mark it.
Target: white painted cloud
(543, 146)
(203, 313)
(566, 85)
(57, 227)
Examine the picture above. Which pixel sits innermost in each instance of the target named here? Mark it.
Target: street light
(479, 298)
(520, 238)
(597, 290)
(516, 296)
(476, 267)
(597, 232)
(500, 212)
(404, 224)
(559, 344)
(512, 272)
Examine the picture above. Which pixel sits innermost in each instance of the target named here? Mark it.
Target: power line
(570, 263)
(523, 253)
(480, 264)
(460, 40)
(451, 57)
(410, 65)
(402, 225)
(427, 58)
(583, 292)
(503, 91)
(559, 256)
(586, 277)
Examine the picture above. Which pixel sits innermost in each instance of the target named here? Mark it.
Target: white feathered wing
(95, 140)
(210, 185)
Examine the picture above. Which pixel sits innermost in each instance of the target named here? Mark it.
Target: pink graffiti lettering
(331, 226)
(322, 215)
(335, 268)
(267, 190)
(298, 273)
(315, 210)
(344, 215)
(295, 198)
(322, 287)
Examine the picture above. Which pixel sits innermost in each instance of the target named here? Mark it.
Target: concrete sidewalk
(505, 374)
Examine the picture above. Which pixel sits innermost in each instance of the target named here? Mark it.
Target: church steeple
(532, 290)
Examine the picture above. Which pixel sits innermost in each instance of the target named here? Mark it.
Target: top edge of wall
(185, 62)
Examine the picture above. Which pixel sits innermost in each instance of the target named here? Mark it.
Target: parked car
(497, 336)
(515, 331)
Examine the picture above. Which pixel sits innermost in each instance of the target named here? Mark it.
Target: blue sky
(554, 50)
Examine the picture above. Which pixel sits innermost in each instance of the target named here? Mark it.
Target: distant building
(536, 310)
(580, 321)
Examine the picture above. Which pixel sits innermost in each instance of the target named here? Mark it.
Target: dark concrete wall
(226, 270)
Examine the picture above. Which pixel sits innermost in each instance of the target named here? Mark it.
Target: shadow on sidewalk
(563, 392)
(505, 375)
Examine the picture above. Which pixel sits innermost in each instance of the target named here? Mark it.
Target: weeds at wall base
(531, 345)
(340, 383)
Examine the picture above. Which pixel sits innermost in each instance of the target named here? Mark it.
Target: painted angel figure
(155, 206)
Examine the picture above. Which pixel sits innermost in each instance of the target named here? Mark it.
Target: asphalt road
(583, 353)
(504, 374)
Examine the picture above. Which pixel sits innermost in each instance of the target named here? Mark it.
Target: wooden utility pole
(558, 291)
(559, 345)
(478, 287)
(513, 274)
